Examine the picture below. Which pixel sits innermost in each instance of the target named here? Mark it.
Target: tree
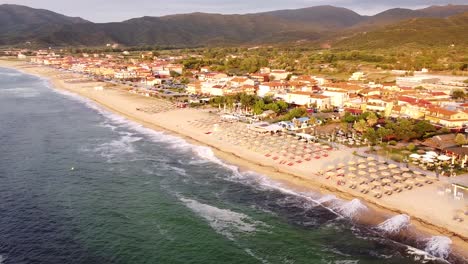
(383, 132)
(360, 126)
(371, 135)
(258, 107)
(372, 119)
(411, 147)
(349, 118)
(423, 128)
(273, 106)
(282, 105)
(458, 94)
(460, 139)
(174, 74)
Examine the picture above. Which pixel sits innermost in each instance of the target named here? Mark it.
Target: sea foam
(394, 224)
(439, 246)
(223, 221)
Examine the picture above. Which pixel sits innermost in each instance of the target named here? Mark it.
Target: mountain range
(340, 26)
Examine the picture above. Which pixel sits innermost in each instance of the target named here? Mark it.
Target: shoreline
(292, 179)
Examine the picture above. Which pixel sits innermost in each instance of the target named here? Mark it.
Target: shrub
(411, 147)
(392, 142)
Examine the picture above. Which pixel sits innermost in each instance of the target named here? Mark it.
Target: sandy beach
(292, 163)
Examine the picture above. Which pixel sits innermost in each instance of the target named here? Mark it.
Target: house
(337, 97)
(194, 88)
(447, 118)
(279, 75)
(240, 81)
(307, 99)
(377, 104)
(217, 90)
(152, 81)
(205, 69)
(357, 76)
(270, 88)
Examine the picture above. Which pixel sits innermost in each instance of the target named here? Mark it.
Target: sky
(119, 10)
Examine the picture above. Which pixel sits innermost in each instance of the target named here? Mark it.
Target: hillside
(20, 24)
(421, 32)
(320, 16)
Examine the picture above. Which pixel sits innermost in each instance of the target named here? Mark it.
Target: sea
(79, 184)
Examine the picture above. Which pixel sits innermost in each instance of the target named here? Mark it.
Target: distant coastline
(119, 101)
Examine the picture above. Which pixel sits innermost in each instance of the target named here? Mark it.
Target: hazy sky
(118, 10)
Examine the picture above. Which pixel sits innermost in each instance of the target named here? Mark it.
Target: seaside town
(385, 142)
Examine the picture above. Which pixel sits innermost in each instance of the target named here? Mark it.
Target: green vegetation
(399, 129)
(460, 139)
(458, 94)
(252, 103)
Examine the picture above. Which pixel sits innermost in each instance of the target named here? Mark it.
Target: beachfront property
(398, 100)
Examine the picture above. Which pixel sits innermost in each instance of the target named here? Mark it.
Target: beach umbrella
(352, 169)
(370, 159)
(415, 156)
(388, 188)
(382, 167)
(399, 185)
(351, 163)
(407, 175)
(395, 171)
(405, 169)
(371, 164)
(410, 182)
(331, 174)
(398, 178)
(341, 171)
(372, 170)
(417, 172)
(364, 187)
(374, 176)
(362, 166)
(362, 180)
(443, 158)
(392, 166)
(385, 174)
(376, 184)
(376, 192)
(331, 167)
(351, 175)
(431, 153)
(340, 165)
(362, 173)
(361, 161)
(386, 181)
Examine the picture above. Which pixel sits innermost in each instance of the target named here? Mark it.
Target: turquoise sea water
(81, 185)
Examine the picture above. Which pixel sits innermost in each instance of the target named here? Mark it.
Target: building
(447, 118)
(357, 76)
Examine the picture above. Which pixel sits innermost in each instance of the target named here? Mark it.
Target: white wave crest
(223, 221)
(350, 209)
(394, 224)
(117, 147)
(439, 246)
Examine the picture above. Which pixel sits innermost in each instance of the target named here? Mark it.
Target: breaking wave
(395, 224)
(439, 246)
(223, 221)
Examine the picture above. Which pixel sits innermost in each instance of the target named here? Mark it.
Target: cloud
(118, 10)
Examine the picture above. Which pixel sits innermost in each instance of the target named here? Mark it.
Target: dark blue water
(80, 185)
